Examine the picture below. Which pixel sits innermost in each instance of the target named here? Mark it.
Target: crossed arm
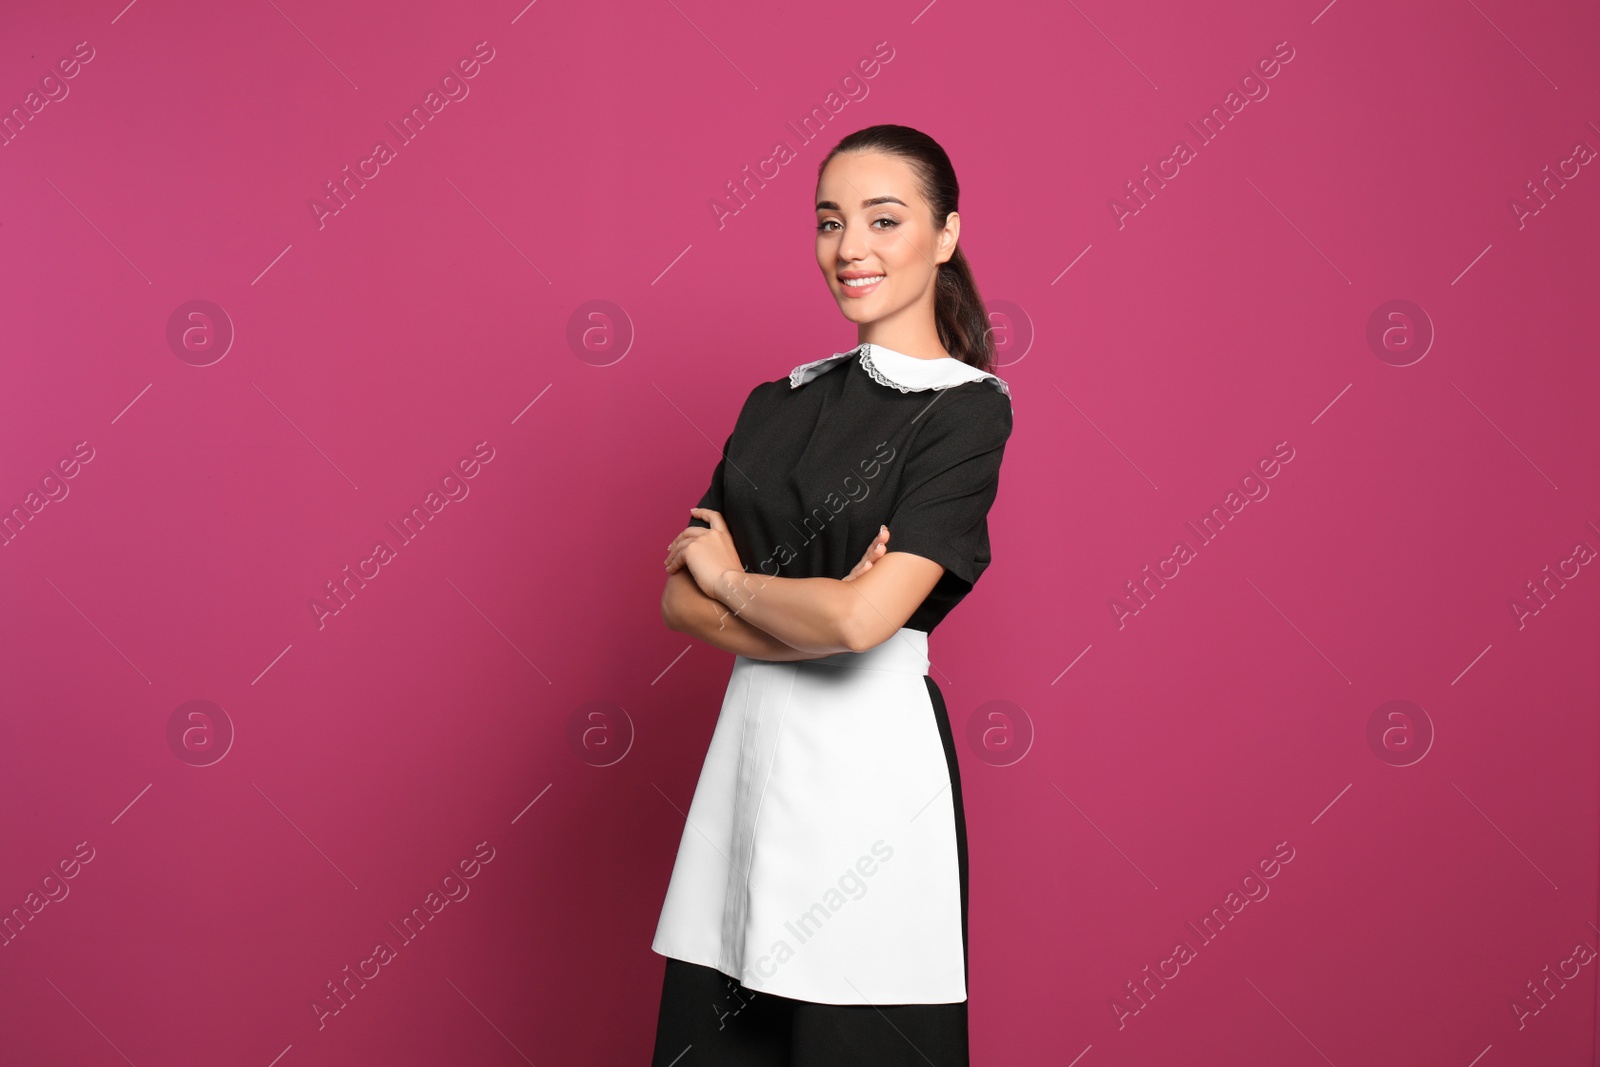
(710, 596)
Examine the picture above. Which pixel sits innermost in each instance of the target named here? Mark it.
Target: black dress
(818, 904)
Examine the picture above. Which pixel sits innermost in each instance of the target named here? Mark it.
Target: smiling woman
(831, 732)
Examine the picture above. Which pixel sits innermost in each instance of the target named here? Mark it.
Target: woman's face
(875, 227)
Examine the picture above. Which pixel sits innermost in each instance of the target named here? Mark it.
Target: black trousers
(709, 1019)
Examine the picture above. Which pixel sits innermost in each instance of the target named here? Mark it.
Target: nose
(852, 246)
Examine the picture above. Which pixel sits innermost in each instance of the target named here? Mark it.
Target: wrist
(729, 589)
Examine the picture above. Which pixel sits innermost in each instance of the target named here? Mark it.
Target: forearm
(687, 609)
(812, 614)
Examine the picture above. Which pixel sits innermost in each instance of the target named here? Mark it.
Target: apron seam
(755, 824)
(734, 865)
(777, 746)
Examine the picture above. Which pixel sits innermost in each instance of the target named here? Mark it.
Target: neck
(910, 330)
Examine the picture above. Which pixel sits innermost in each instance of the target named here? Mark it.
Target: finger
(689, 533)
(685, 539)
(710, 516)
(675, 550)
(873, 552)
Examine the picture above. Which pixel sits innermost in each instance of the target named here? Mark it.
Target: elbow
(857, 632)
(668, 619)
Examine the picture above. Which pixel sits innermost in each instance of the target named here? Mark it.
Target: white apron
(819, 857)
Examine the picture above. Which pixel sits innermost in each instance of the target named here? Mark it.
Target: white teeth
(857, 283)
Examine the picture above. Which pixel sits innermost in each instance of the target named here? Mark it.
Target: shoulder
(976, 410)
(763, 394)
(766, 395)
(761, 405)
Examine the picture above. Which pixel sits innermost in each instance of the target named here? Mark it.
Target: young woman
(817, 910)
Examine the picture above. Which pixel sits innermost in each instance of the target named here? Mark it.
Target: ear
(946, 243)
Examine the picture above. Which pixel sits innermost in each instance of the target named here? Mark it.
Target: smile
(861, 286)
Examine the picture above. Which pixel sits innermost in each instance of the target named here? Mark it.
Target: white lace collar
(900, 371)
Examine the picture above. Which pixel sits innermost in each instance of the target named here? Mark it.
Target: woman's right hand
(873, 553)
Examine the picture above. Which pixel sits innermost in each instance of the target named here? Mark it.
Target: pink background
(446, 304)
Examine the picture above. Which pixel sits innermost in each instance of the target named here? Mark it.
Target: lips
(859, 283)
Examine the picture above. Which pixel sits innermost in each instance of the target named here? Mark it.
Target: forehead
(851, 177)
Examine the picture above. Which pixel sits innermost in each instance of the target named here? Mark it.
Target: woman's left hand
(708, 553)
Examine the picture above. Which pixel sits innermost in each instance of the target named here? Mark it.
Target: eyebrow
(829, 205)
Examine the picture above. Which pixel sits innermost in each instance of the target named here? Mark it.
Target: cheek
(899, 252)
(909, 271)
(827, 252)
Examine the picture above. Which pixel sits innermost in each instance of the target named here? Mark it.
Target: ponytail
(960, 316)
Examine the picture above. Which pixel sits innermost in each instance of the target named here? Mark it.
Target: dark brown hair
(958, 310)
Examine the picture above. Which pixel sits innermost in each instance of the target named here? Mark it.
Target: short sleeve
(713, 495)
(950, 480)
(713, 498)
